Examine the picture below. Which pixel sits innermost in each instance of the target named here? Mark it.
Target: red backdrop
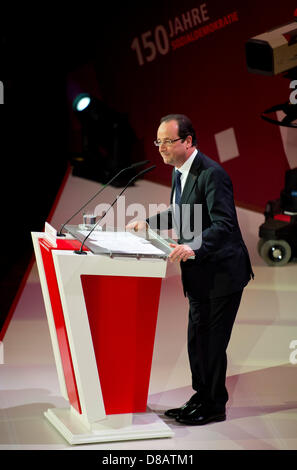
(141, 71)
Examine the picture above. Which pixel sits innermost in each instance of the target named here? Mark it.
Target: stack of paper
(124, 242)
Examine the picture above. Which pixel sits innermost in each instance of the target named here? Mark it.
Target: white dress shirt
(184, 170)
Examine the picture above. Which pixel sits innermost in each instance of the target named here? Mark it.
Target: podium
(102, 312)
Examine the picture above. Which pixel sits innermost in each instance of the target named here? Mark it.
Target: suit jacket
(222, 265)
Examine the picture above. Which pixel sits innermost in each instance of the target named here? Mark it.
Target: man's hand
(137, 225)
(180, 252)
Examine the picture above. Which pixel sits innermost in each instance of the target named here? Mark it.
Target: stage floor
(262, 381)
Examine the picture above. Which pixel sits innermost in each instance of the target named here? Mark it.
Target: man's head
(176, 138)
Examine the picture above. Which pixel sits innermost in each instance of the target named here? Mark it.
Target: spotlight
(81, 102)
(107, 139)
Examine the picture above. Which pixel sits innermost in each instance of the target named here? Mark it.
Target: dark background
(48, 57)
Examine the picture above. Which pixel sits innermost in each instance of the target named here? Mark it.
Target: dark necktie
(177, 187)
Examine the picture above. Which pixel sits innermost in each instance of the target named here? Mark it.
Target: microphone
(134, 165)
(146, 170)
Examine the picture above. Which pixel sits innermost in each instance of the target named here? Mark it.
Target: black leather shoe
(185, 409)
(201, 415)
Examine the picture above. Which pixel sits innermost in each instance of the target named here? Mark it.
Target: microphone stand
(80, 251)
(134, 165)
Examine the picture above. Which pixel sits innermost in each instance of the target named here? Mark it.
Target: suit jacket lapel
(191, 179)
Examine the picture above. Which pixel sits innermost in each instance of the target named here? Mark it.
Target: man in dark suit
(215, 264)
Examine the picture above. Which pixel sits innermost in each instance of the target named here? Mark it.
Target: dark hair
(185, 126)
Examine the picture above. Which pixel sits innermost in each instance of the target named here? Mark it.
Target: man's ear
(189, 140)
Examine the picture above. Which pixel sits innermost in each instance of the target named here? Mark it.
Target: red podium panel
(54, 294)
(122, 313)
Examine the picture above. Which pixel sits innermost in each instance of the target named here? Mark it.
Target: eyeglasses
(158, 143)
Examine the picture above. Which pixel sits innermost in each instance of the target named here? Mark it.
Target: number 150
(150, 45)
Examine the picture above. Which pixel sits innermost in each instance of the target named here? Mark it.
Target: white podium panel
(116, 427)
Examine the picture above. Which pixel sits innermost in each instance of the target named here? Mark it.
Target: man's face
(176, 153)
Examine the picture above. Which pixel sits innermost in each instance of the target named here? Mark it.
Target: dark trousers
(209, 331)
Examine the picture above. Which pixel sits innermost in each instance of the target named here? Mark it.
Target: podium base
(143, 426)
